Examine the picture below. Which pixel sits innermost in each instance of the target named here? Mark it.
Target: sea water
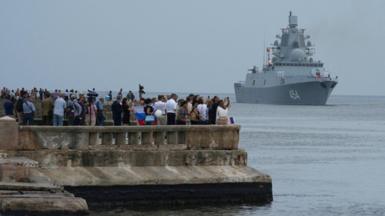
(324, 160)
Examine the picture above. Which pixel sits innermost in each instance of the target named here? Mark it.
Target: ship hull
(304, 93)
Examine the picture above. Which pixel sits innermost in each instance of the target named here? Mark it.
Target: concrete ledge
(169, 175)
(22, 186)
(119, 157)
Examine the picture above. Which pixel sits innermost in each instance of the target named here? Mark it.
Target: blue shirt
(99, 105)
(59, 106)
(8, 107)
(28, 107)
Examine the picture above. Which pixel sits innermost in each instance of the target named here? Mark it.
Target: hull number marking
(294, 94)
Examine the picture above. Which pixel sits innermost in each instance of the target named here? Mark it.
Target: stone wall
(118, 165)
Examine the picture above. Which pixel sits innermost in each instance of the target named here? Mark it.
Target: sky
(181, 46)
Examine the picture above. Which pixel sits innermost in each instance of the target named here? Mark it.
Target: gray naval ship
(290, 75)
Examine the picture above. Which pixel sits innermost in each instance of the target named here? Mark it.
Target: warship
(290, 75)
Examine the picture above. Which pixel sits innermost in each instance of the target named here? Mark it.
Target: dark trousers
(71, 119)
(171, 118)
(117, 120)
(47, 120)
(27, 118)
(99, 119)
(77, 120)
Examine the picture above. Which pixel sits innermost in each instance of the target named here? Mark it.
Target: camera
(91, 96)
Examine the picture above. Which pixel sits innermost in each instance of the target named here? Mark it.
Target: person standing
(58, 110)
(91, 113)
(130, 96)
(8, 106)
(19, 108)
(161, 106)
(120, 94)
(83, 111)
(116, 109)
(171, 106)
(223, 112)
(100, 112)
(203, 111)
(70, 109)
(213, 110)
(28, 111)
(47, 111)
(149, 112)
(140, 115)
(183, 114)
(126, 112)
(77, 112)
(109, 96)
(189, 101)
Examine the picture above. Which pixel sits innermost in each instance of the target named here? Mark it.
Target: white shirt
(160, 105)
(203, 111)
(171, 106)
(189, 107)
(222, 112)
(59, 106)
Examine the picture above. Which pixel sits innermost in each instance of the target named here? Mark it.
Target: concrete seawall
(140, 165)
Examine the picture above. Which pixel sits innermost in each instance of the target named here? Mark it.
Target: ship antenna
(264, 50)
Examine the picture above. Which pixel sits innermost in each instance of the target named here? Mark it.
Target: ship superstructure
(290, 75)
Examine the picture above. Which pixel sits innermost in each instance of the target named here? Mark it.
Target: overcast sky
(182, 46)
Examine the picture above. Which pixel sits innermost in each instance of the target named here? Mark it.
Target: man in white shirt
(171, 106)
(58, 110)
(161, 105)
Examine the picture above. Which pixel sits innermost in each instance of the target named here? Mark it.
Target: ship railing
(307, 78)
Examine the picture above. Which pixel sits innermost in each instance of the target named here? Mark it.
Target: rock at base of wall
(39, 199)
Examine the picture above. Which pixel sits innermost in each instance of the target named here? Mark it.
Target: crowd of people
(89, 108)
